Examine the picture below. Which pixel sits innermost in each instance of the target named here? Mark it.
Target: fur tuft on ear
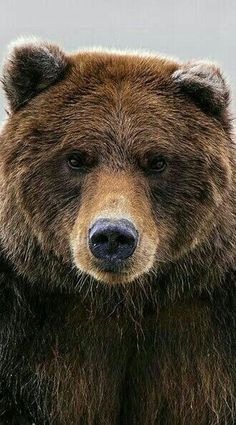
(31, 67)
(204, 83)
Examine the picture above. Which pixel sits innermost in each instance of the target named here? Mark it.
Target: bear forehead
(109, 115)
(104, 82)
(118, 98)
(111, 86)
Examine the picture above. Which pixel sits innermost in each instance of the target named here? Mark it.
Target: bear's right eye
(78, 161)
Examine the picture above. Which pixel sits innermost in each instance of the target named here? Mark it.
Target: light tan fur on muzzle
(115, 196)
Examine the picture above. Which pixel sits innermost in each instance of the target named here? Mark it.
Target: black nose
(113, 240)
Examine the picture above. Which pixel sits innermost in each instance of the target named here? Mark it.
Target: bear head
(113, 165)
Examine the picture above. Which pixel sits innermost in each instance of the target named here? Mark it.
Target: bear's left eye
(78, 161)
(156, 164)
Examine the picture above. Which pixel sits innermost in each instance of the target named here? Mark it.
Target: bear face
(112, 165)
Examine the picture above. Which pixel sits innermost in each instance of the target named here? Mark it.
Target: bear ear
(204, 83)
(31, 67)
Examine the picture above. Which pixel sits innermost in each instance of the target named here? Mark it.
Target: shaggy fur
(155, 343)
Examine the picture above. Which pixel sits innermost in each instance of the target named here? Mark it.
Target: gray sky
(187, 29)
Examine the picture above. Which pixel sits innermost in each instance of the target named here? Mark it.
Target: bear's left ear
(204, 83)
(31, 67)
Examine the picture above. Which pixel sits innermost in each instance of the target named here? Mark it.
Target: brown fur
(155, 343)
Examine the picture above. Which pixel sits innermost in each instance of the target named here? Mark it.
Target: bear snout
(112, 241)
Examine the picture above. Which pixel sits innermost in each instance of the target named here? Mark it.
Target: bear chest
(106, 371)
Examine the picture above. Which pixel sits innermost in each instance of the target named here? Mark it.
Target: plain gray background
(187, 29)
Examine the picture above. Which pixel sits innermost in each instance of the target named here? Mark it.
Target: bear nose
(113, 240)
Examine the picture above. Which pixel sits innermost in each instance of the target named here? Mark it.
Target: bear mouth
(109, 267)
(110, 272)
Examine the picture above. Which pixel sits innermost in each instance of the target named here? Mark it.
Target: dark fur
(160, 350)
(30, 69)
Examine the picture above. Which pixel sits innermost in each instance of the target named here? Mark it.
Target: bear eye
(77, 161)
(156, 164)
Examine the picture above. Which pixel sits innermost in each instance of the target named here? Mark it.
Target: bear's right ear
(31, 67)
(205, 84)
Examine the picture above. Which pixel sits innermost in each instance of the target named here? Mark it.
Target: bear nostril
(123, 239)
(99, 239)
(113, 240)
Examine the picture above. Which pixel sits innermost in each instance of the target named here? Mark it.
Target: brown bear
(118, 237)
